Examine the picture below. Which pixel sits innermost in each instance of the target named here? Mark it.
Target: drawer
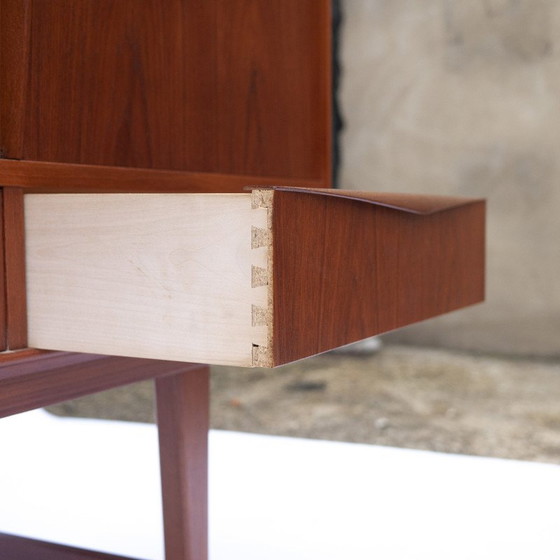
(259, 278)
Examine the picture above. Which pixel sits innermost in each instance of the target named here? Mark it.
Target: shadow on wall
(460, 98)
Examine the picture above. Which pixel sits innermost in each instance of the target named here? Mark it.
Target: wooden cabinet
(128, 130)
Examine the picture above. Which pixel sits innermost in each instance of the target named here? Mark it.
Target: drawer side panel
(148, 276)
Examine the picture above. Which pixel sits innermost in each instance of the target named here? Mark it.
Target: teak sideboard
(165, 171)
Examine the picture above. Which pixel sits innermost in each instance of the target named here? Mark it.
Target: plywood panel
(155, 276)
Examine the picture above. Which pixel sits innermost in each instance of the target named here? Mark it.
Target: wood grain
(183, 423)
(210, 86)
(157, 276)
(345, 270)
(14, 257)
(44, 177)
(407, 202)
(14, 547)
(224, 278)
(14, 56)
(234, 92)
(3, 296)
(33, 379)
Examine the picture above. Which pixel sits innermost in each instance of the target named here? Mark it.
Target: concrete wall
(455, 97)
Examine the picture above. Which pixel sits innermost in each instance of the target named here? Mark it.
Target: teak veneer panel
(52, 177)
(238, 87)
(14, 262)
(3, 295)
(348, 269)
(33, 379)
(256, 279)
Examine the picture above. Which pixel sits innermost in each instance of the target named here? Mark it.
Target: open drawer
(254, 279)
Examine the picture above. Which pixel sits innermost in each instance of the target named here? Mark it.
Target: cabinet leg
(183, 421)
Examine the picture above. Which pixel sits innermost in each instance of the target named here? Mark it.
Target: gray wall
(456, 97)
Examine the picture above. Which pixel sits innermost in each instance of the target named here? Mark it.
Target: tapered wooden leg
(183, 421)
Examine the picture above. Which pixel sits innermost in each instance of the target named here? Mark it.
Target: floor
(401, 396)
(94, 483)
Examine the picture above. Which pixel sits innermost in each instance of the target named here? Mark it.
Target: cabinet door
(198, 85)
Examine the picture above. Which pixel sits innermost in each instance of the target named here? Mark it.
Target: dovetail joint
(260, 316)
(261, 198)
(260, 237)
(259, 276)
(262, 357)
